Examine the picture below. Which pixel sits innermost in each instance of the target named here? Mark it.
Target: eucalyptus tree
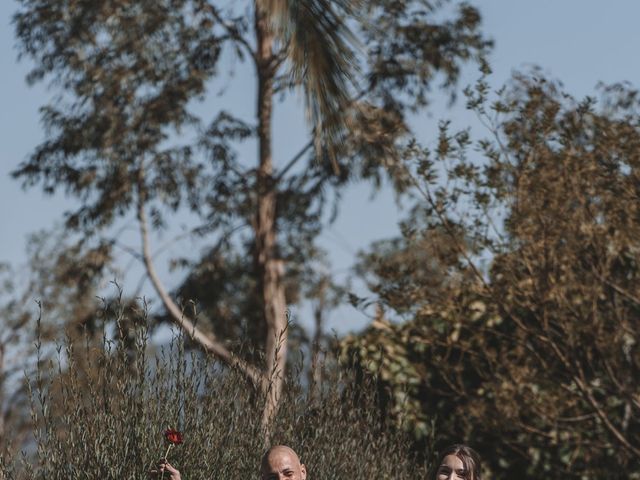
(123, 138)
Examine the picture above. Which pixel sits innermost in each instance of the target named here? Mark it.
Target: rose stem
(165, 459)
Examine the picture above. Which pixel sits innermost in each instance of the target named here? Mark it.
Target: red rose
(174, 437)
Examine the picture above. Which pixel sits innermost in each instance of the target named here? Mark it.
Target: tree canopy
(532, 356)
(124, 139)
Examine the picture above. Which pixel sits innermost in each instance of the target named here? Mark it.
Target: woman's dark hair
(469, 457)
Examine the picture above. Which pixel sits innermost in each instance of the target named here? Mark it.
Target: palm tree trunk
(270, 267)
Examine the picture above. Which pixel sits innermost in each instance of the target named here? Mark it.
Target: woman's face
(452, 468)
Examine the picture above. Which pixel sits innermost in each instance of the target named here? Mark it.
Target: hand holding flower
(173, 437)
(164, 466)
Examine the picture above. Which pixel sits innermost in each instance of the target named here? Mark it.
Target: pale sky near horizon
(579, 42)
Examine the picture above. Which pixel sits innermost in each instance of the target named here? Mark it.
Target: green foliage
(100, 405)
(532, 358)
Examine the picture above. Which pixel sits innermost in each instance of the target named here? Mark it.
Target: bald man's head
(280, 463)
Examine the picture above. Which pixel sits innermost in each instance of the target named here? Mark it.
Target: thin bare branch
(208, 342)
(293, 161)
(588, 393)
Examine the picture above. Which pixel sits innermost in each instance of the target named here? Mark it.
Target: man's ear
(303, 470)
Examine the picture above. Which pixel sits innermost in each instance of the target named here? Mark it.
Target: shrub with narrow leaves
(101, 407)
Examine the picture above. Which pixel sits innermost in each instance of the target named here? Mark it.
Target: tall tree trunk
(270, 267)
(317, 360)
(3, 378)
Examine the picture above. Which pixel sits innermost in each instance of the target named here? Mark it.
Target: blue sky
(580, 42)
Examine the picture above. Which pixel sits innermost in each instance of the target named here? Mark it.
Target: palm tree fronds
(321, 52)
